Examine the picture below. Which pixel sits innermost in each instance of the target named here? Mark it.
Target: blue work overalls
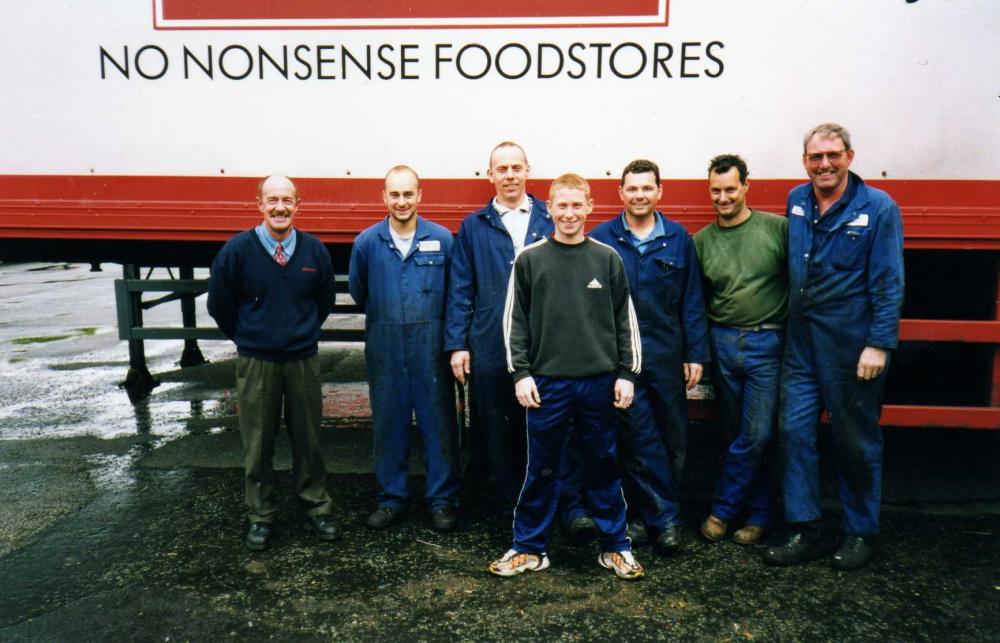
(408, 371)
(665, 283)
(480, 272)
(845, 293)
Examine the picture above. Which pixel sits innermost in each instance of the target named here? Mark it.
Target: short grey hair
(828, 130)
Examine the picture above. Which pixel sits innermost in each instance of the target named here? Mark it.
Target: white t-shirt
(402, 243)
(515, 220)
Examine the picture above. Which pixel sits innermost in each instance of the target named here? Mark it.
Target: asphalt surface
(122, 521)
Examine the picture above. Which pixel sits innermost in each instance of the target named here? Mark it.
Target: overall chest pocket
(849, 248)
(667, 278)
(429, 267)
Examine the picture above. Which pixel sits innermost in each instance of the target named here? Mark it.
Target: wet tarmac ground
(124, 522)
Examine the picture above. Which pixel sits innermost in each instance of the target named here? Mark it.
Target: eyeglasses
(817, 158)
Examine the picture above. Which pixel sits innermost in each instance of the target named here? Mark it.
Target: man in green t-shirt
(744, 258)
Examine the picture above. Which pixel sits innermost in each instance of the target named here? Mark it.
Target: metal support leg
(138, 381)
(192, 354)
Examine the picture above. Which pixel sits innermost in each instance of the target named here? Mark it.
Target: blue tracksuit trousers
(588, 403)
(746, 367)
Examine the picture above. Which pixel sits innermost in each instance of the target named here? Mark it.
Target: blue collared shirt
(643, 244)
(271, 244)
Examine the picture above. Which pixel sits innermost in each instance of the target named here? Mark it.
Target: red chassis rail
(937, 214)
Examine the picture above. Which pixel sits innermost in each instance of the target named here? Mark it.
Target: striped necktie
(279, 255)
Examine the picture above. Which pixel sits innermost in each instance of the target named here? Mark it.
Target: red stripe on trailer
(943, 214)
(901, 415)
(402, 9)
(949, 330)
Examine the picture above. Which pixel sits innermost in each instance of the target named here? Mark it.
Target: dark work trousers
(501, 430)
(263, 389)
(654, 447)
(820, 371)
(588, 402)
(746, 366)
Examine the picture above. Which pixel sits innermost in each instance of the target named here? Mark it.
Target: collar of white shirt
(524, 206)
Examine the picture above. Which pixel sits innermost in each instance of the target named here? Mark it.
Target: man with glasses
(845, 294)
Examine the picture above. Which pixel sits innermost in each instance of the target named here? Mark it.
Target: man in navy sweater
(270, 290)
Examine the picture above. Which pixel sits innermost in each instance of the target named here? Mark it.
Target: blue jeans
(588, 402)
(745, 374)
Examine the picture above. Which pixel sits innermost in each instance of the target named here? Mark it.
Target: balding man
(270, 290)
(399, 275)
(487, 242)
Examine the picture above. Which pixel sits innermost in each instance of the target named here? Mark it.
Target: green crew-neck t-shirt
(745, 268)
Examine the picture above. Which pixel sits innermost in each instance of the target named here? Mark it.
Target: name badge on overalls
(429, 245)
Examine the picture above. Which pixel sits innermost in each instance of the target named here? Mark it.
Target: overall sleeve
(357, 276)
(626, 324)
(223, 291)
(461, 291)
(326, 295)
(448, 246)
(693, 310)
(885, 278)
(516, 322)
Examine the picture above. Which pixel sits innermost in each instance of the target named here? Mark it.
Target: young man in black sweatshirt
(573, 348)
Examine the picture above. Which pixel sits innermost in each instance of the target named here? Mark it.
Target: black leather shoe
(258, 536)
(444, 519)
(669, 540)
(323, 527)
(637, 533)
(382, 517)
(582, 530)
(854, 553)
(797, 548)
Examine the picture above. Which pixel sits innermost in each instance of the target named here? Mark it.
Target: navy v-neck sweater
(271, 312)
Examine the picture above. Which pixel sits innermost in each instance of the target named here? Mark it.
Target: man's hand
(624, 392)
(871, 363)
(692, 374)
(527, 393)
(461, 361)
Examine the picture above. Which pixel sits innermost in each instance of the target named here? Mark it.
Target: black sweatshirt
(568, 313)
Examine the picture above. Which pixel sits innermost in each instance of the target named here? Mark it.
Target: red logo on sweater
(304, 269)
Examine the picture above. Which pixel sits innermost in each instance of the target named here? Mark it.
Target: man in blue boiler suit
(399, 276)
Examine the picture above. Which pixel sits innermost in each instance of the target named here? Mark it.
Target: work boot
(443, 519)
(637, 533)
(382, 517)
(799, 547)
(854, 553)
(748, 535)
(258, 536)
(582, 530)
(669, 540)
(323, 526)
(713, 529)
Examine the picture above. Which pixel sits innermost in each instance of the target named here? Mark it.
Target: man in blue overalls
(487, 242)
(399, 276)
(845, 250)
(665, 282)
